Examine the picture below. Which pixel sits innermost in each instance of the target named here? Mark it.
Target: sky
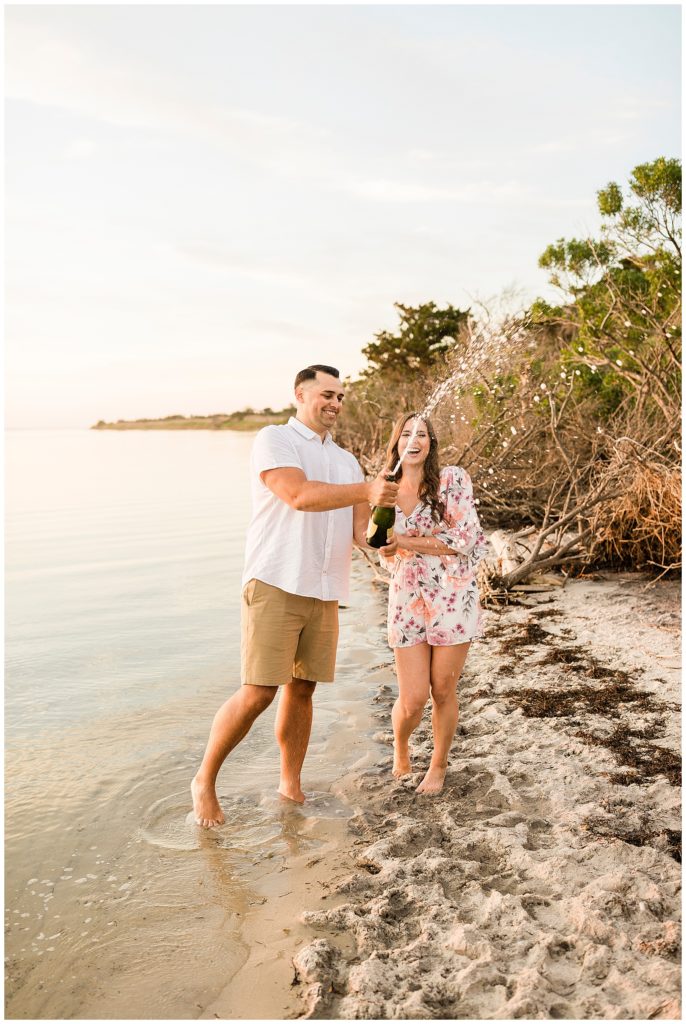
(201, 200)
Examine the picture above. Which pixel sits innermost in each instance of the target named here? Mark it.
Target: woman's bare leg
(446, 668)
(412, 664)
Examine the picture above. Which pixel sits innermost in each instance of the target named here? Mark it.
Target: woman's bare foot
(291, 792)
(206, 809)
(432, 782)
(401, 763)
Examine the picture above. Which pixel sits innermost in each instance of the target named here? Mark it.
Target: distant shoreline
(248, 419)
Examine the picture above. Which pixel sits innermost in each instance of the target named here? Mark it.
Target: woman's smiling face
(414, 444)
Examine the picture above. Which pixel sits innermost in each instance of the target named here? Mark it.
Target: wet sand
(544, 881)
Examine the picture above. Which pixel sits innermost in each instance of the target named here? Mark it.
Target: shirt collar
(306, 432)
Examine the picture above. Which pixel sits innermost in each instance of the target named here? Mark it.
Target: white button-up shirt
(305, 553)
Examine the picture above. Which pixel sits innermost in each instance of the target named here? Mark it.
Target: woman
(433, 605)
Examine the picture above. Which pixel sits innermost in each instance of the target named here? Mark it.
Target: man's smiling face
(320, 401)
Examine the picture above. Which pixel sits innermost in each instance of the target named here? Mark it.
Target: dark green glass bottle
(381, 523)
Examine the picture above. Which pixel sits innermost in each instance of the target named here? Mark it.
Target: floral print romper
(434, 599)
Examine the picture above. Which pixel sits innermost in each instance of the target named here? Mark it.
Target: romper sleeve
(460, 528)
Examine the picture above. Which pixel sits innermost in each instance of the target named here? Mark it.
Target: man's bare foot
(206, 809)
(401, 764)
(290, 792)
(432, 782)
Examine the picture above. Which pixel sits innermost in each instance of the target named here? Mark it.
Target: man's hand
(382, 492)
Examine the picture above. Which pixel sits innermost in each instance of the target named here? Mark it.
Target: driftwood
(561, 539)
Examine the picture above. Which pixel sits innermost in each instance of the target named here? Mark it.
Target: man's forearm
(292, 486)
(316, 496)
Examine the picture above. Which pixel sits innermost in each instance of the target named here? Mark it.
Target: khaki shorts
(284, 636)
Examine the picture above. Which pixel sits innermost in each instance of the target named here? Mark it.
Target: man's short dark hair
(310, 373)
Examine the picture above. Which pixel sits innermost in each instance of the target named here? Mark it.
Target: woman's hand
(389, 550)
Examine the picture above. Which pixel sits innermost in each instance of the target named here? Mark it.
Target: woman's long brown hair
(431, 479)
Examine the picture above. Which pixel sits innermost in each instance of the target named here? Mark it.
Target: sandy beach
(544, 881)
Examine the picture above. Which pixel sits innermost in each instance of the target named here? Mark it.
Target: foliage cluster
(572, 406)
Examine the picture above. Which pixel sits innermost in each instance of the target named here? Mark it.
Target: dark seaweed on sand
(548, 613)
(642, 761)
(538, 703)
(603, 829)
(530, 633)
(639, 759)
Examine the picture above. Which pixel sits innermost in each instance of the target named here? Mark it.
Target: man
(309, 495)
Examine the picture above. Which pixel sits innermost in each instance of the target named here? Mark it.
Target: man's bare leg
(292, 730)
(231, 723)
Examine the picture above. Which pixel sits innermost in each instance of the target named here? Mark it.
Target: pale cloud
(59, 73)
(283, 329)
(222, 258)
(639, 108)
(601, 137)
(79, 149)
(416, 192)
(567, 145)
(487, 192)
(422, 155)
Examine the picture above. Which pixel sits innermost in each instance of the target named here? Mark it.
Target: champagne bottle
(381, 523)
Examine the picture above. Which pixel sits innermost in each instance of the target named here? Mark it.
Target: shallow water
(124, 554)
